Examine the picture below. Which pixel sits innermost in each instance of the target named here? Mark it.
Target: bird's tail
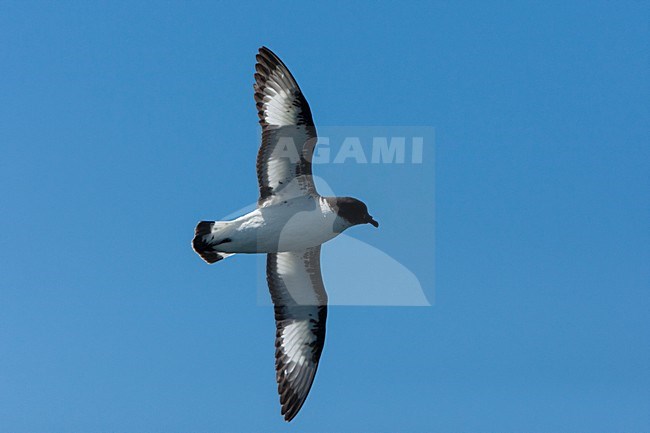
(207, 235)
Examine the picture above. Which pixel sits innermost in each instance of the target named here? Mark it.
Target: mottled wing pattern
(288, 132)
(300, 302)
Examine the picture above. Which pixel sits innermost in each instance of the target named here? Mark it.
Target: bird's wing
(300, 302)
(288, 132)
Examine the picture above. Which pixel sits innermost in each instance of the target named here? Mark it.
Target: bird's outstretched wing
(300, 302)
(288, 132)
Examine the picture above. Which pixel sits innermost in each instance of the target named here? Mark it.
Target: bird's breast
(287, 226)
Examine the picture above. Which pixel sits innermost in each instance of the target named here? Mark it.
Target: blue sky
(122, 125)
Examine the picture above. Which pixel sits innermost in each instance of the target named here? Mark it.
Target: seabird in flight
(289, 225)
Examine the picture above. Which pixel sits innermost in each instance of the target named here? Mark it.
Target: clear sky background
(124, 123)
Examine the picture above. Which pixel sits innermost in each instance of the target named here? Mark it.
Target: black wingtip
(264, 50)
(289, 412)
(265, 55)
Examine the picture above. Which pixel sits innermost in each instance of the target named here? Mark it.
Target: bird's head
(353, 211)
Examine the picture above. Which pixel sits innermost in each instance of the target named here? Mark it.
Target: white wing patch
(295, 336)
(278, 109)
(296, 278)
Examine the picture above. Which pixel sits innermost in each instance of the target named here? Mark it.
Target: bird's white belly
(292, 226)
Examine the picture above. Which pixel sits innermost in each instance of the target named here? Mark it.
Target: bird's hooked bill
(373, 222)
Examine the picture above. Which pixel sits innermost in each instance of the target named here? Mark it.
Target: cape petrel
(290, 223)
